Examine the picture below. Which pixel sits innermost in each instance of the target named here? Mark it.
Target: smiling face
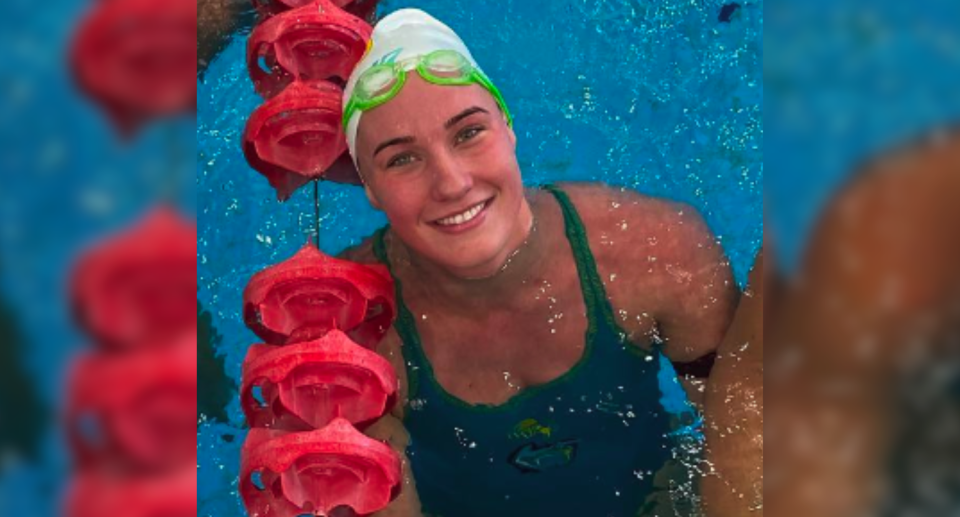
(440, 161)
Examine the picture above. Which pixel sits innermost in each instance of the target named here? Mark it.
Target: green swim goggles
(444, 67)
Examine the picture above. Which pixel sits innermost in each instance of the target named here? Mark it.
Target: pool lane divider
(299, 60)
(314, 384)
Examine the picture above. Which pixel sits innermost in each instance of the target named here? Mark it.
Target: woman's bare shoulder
(624, 215)
(595, 200)
(658, 258)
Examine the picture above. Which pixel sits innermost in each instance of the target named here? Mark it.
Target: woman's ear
(372, 197)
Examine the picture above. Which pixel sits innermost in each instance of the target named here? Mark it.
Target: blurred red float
(102, 494)
(306, 385)
(137, 58)
(135, 411)
(309, 294)
(296, 136)
(289, 474)
(318, 41)
(138, 287)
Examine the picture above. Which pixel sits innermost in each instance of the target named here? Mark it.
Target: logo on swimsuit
(532, 458)
(529, 428)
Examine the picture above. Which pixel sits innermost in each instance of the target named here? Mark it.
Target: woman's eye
(468, 134)
(399, 160)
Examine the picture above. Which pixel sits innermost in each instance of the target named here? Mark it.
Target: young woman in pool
(537, 327)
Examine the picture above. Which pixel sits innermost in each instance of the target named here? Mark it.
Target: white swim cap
(401, 35)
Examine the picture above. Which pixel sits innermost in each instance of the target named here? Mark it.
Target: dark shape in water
(216, 389)
(726, 12)
(20, 407)
(699, 368)
(217, 21)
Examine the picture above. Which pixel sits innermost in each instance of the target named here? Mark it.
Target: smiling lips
(463, 217)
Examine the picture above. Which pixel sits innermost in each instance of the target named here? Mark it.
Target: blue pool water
(660, 97)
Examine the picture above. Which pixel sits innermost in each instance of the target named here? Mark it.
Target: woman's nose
(451, 179)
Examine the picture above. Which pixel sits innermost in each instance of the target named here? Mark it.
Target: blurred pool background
(66, 181)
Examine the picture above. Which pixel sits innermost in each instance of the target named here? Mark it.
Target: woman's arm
(661, 266)
(733, 411)
(875, 308)
(391, 430)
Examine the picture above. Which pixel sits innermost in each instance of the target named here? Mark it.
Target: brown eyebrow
(394, 141)
(447, 125)
(464, 114)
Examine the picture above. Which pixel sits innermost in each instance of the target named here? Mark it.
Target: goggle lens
(447, 64)
(376, 82)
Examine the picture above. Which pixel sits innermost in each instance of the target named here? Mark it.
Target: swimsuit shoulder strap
(405, 326)
(594, 294)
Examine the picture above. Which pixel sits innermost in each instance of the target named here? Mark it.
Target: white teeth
(461, 218)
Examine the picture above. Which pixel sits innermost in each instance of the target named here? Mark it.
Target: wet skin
(733, 411)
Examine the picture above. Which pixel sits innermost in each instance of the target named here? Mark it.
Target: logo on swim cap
(389, 58)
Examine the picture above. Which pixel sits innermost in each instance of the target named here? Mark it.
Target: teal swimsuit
(614, 436)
